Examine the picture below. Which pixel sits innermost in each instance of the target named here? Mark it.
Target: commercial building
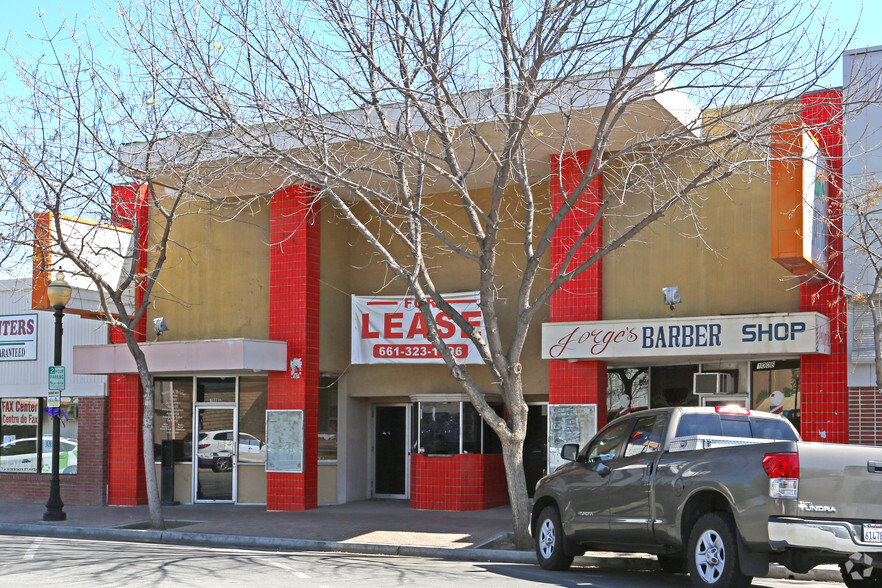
(295, 372)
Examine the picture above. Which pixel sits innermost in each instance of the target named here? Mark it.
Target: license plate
(872, 533)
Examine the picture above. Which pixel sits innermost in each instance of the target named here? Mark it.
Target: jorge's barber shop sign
(716, 336)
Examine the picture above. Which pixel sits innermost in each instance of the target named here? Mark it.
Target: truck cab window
(606, 446)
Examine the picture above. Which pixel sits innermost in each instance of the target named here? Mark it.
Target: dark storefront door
(536, 446)
(390, 451)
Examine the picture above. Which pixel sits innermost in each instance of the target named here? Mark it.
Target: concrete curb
(610, 562)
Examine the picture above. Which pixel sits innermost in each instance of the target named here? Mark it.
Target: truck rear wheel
(550, 541)
(854, 576)
(713, 552)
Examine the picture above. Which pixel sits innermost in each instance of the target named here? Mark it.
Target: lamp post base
(54, 514)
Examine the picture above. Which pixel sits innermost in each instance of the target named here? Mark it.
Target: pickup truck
(719, 493)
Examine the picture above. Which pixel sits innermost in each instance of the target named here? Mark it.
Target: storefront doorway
(536, 446)
(216, 457)
(215, 432)
(391, 451)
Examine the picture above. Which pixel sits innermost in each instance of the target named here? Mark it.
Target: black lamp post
(59, 295)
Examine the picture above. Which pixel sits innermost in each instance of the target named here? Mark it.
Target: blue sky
(18, 23)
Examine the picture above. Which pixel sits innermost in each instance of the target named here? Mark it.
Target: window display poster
(284, 440)
(569, 423)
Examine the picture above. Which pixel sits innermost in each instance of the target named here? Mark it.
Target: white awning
(176, 357)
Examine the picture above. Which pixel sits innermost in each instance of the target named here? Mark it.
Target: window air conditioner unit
(712, 383)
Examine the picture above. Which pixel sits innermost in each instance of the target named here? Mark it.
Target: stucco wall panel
(215, 283)
(728, 270)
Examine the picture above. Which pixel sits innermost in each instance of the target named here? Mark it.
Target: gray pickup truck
(716, 492)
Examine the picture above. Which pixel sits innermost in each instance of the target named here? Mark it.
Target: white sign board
(284, 440)
(747, 335)
(391, 329)
(18, 337)
(569, 423)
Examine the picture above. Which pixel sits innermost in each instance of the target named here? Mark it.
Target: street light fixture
(58, 292)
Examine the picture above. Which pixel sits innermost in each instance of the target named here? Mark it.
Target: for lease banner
(391, 329)
(18, 337)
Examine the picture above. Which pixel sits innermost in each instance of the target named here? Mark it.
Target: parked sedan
(20, 455)
(215, 450)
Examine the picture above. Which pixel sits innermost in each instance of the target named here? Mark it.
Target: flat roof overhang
(184, 357)
(565, 121)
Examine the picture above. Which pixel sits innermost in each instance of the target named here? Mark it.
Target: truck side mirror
(570, 451)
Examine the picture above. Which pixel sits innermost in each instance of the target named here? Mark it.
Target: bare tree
(59, 148)
(384, 105)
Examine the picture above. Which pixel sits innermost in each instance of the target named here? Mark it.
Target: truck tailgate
(845, 477)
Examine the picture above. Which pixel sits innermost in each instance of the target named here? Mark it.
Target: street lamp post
(59, 295)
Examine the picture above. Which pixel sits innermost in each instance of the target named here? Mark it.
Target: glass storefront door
(216, 457)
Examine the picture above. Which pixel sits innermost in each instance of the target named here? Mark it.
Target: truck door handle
(874, 467)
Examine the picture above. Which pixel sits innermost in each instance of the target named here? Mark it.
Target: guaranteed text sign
(715, 336)
(391, 329)
(18, 337)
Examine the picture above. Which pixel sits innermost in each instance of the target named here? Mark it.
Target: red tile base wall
(457, 482)
(87, 487)
(295, 236)
(126, 477)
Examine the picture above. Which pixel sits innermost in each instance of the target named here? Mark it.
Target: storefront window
(776, 388)
(252, 420)
(439, 429)
(627, 390)
(24, 448)
(173, 416)
(68, 451)
(327, 418)
(216, 389)
(19, 422)
(672, 386)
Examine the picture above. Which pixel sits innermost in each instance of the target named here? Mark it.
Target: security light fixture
(672, 296)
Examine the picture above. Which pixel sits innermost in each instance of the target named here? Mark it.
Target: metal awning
(176, 357)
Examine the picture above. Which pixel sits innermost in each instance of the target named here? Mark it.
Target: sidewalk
(388, 527)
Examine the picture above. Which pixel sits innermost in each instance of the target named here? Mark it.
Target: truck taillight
(783, 471)
(732, 409)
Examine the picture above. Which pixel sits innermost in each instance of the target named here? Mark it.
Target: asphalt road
(45, 562)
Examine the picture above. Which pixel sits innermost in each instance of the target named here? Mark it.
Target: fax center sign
(716, 336)
(391, 329)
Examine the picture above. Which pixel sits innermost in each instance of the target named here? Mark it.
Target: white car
(20, 455)
(215, 450)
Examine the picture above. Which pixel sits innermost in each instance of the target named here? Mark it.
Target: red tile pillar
(581, 299)
(294, 317)
(125, 448)
(824, 378)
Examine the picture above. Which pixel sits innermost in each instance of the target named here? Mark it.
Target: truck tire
(550, 541)
(850, 581)
(713, 553)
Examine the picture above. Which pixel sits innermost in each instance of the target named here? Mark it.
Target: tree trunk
(154, 505)
(513, 458)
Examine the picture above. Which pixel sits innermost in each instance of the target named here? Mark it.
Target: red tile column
(581, 299)
(824, 378)
(125, 450)
(295, 239)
